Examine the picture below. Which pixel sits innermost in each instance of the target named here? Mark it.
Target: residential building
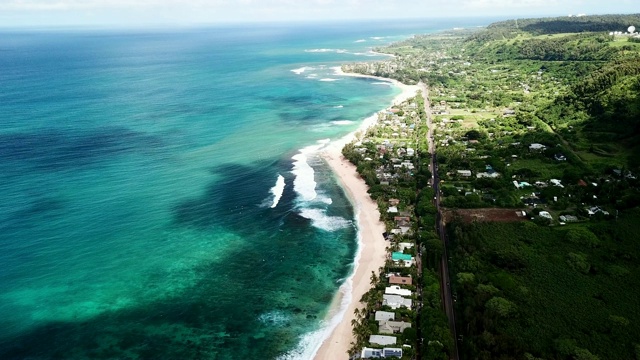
(382, 340)
(384, 316)
(537, 147)
(400, 280)
(392, 352)
(397, 290)
(568, 218)
(392, 327)
(368, 353)
(395, 301)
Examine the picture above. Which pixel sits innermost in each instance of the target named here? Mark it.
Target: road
(444, 265)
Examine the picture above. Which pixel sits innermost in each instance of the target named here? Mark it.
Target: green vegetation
(540, 115)
(550, 293)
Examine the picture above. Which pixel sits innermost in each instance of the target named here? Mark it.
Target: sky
(42, 13)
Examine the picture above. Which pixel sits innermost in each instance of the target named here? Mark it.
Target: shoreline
(371, 252)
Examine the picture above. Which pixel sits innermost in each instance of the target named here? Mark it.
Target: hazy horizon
(190, 13)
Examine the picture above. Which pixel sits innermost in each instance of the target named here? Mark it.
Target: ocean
(161, 196)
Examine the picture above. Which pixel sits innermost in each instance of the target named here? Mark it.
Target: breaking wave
(321, 220)
(277, 190)
(339, 51)
(342, 122)
(301, 70)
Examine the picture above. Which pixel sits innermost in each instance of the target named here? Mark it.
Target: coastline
(371, 252)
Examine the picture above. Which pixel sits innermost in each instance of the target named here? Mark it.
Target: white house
(492, 175)
(465, 173)
(368, 353)
(556, 182)
(385, 316)
(545, 214)
(397, 290)
(410, 152)
(395, 301)
(392, 352)
(382, 340)
(537, 147)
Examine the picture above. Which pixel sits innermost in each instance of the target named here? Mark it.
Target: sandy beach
(372, 244)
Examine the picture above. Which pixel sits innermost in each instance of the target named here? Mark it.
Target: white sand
(372, 245)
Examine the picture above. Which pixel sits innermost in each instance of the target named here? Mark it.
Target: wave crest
(301, 70)
(277, 191)
(321, 220)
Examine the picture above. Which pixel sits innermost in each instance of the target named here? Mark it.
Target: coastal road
(444, 265)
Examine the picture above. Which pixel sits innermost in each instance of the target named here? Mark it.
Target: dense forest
(531, 292)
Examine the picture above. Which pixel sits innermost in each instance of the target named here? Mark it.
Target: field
(482, 215)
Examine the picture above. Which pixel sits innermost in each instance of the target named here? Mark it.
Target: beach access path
(372, 246)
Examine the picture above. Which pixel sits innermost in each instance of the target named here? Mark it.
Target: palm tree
(374, 279)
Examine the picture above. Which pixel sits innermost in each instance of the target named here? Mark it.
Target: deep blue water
(138, 175)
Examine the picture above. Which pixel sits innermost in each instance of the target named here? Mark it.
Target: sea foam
(321, 220)
(301, 70)
(326, 50)
(329, 79)
(277, 191)
(342, 122)
(274, 318)
(304, 184)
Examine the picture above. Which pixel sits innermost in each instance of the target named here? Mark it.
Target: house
(392, 209)
(410, 152)
(368, 353)
(392, 352)
(568, 218)
(402, 220)
(397, 256)
(465, 173)
(392, 327)
(397, 290)
(405, 229)
(537, 147)
(508, 112)
(596, 209)
(395, 301)
(408, 164)
(556, 182)
(394, 202)
(545, 214)
(400, 280)
(382, 340)
(491, 175)
(384, 316)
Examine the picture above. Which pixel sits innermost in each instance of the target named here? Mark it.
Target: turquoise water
(160, 196)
